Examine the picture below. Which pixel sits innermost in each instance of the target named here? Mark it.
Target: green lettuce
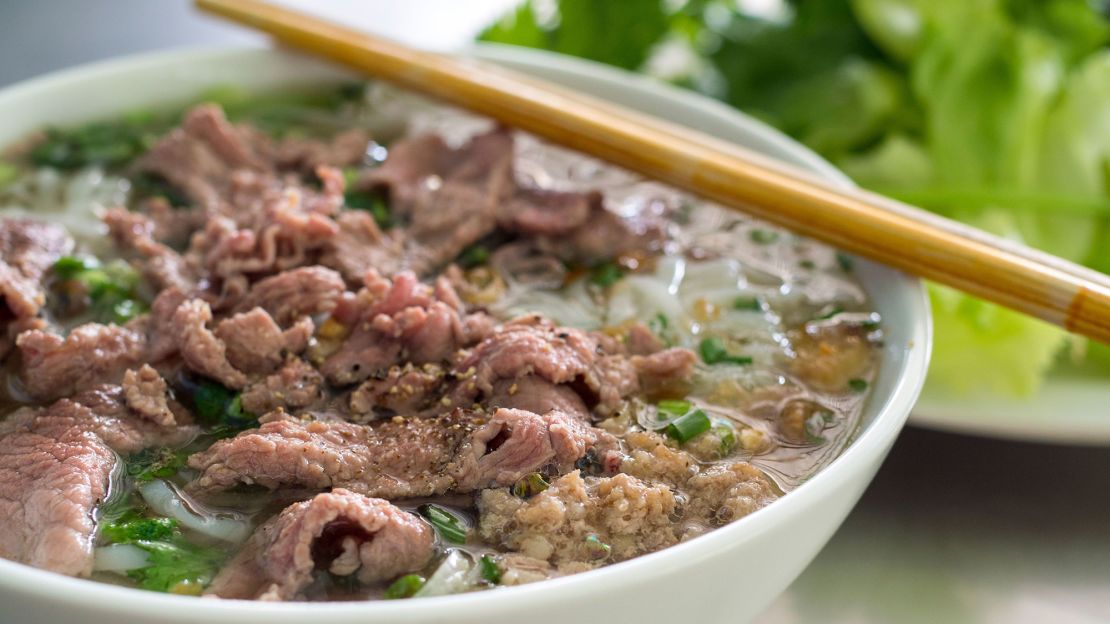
(992, 112)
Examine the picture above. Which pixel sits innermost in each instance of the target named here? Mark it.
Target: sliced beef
(404, 390)
(403, 320)
(202, 351)
(200, 156)
(161, 333)
(53, 366)
(28, 248)
(361, 246)
(146, 393)
(292, 294)
(295, 385)
(445, 198)
(642, 341)
(104, 411)
(161, 266)
(256, 345)
(307, 155)
(532, 346)
(342, 532)
(49, 488)
(537, 395)
(545, 212)
(664, 370)
(400, 457)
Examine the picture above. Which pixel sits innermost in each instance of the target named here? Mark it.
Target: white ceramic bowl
(730, 574)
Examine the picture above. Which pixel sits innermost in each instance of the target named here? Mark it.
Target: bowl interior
(173, 78)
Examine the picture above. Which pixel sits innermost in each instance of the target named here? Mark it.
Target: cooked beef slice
(146, 393)
(292, 294)
(642, 341)
(50, 485)
(200, 156)
(538, 395)
(342, 532)
(592, 520)
(400, 457)
(445, 198)
(160, 265)
(28, 248)
(404, 389)
(53, 366)
(545, 212)
(606, 235)
(295, 385)
(590, 363)
(256, 345)
(402, 320)
(307, 155)
(202, 351)
(361, 246)
(661, 371)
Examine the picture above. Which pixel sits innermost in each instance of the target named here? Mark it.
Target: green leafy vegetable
(857, 385)
(490, 571)
(160, 463)
(107, 143)
(475, 255)
(111, 289)
(713, 351)
(371, 202)
(447, 525)
(606, 274)
(132, 527)
(219, 406)
(763, 237)
(404, 587)
(685, 428)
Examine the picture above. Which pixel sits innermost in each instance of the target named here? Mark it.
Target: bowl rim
(869, 445)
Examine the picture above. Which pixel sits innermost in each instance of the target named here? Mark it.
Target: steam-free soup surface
(342, 344)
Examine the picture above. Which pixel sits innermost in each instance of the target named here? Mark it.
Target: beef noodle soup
(343, 344)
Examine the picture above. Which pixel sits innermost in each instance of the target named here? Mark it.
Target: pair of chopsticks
(876, 227)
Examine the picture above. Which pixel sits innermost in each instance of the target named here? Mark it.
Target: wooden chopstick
(876, 227)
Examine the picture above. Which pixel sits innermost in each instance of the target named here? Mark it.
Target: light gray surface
(954, 529)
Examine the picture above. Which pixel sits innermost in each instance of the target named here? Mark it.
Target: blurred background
(990, 111)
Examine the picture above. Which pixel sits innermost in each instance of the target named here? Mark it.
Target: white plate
(1073, 407)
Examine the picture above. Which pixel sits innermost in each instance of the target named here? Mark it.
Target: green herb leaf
(857, 385)
(747, 303)
(606, 274)
(475, 255)
(529, 485)
(160, 463)
(684, 429)
(713, 351)
(133, 528)
(177, 566)
(404, 587)
(449, 527)
(763, 237)
(371, 202)
(219, 406)
(490, 571)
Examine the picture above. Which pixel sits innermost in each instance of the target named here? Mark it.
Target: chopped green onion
(713, 351)
(808, 265)
(687, 427)
(133, 527)
(220, 407)
(529, 485)
(659, 323)
(404, 587)
(123, 311)
(153, 464)
(490, 571)
(69, 267)
(726, 433)
(845, 261)
(606, 274)
(815, 426)
(446, 524)
(475, 255)
(673, 407)
(857, 385)
(747, 303)
(596, 548)
(829, 312)
(763, 237)
(372, 203)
